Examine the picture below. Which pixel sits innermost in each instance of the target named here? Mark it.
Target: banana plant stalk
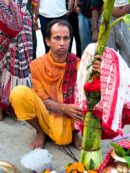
(90, 154)
(104, 27)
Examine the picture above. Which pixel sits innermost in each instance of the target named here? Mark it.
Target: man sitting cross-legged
(49, 107)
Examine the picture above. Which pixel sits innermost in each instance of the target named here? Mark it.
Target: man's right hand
(73, 111)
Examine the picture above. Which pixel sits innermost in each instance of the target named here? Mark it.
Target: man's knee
(23, 101)
(18, 93)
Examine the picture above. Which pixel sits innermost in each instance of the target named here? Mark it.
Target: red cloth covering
(10, 32)
(112, 109)
(93, 86)
(108, 159)
(16, 52)
(11, 22)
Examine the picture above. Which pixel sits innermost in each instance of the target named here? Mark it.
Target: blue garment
(85, 31)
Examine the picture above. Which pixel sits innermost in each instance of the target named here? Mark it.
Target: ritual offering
(121, 157)
(6, 167)
(117, 158)
(110, 169)
(37, 160)
(90, 95)
(100, 93)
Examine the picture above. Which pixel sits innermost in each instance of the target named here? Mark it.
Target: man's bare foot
(39, 141)
(77, 140)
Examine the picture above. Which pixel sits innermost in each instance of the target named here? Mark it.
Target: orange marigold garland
(76, 167)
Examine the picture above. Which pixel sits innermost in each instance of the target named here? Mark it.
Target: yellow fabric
(28, 105)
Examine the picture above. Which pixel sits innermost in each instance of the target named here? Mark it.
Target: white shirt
(120, 3)
(52, 8)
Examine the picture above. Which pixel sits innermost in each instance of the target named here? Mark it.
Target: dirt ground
(16, 136)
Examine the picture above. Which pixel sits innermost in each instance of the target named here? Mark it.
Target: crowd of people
(41, 91)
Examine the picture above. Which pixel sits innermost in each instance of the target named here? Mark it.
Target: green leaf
(128, 152)
(90, 79)
(92, 163)
(89, 66)
(93, 98)
(127, 158)
(119, 150)
(126, 19)
(68, 164)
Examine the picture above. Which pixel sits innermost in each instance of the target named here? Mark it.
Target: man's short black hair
(59, 22)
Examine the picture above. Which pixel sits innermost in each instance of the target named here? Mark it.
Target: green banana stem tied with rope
(90, 154)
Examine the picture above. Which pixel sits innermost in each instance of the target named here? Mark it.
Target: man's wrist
(70, 10)
(95, 29)
(63, 108)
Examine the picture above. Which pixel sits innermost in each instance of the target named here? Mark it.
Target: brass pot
(120, 162)
(110, 169)
(6, 167)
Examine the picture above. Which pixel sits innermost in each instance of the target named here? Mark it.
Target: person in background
(33, 7)
(50, 10)
(49, 107)
(84, 16)
(15, 48)
(96, 7)
(73, 19)
(119, 37)
(88, 21)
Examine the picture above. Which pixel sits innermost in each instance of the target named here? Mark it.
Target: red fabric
(110, 80)
(93, 86)
(16, 53)
(110, 108)
(11, 22)
(8, 31)
(108, 159)
(70, 77)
